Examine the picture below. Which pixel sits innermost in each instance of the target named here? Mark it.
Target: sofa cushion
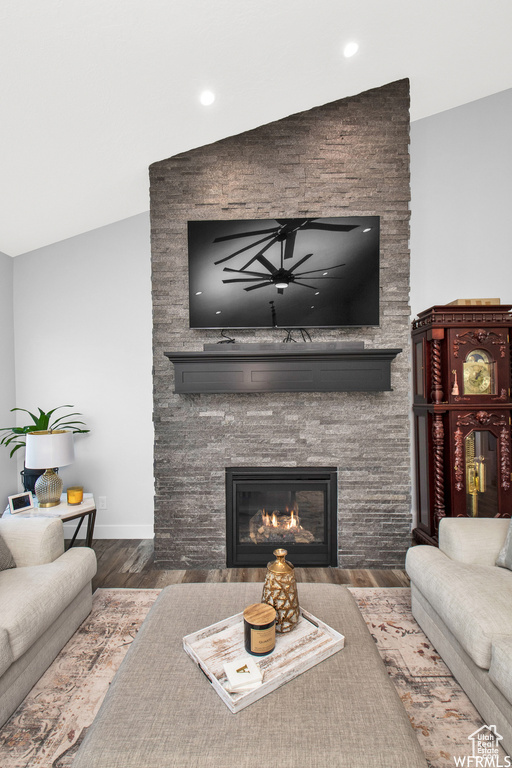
(6, 657)
(33, 540)
(6, 558)
(473, 600)
(500, 670)
(475, 540)
(505, 556)
(33, 597)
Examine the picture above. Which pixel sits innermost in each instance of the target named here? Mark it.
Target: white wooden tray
(309, 643)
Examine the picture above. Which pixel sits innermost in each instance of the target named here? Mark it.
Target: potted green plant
(13, 437)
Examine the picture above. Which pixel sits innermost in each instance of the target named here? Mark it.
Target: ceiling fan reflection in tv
(333, 262)
(283, 234)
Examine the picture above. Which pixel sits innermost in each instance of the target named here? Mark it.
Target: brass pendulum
(280, 591)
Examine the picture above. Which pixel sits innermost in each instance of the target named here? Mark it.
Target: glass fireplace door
(281, 513)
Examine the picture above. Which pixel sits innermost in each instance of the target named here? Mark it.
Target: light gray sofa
(463, 603)
(42, 602)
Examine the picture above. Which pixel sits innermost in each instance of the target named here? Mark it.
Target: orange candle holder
(75, 495)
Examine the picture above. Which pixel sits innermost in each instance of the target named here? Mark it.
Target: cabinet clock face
(477, 375)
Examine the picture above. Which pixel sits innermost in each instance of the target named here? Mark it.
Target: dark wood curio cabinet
(462, 412)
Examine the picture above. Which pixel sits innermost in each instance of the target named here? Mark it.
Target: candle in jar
(75, 495)
(259, 629)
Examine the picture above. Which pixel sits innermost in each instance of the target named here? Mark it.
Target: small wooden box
(475, 303)
(309, 643)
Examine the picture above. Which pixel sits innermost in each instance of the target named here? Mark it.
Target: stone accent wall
(350, 157)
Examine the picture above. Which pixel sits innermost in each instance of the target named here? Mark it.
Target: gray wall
(350, 156)
(461, 171)
(8, 467)
(83, 336)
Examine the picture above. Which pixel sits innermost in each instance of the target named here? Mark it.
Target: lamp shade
(49, 449)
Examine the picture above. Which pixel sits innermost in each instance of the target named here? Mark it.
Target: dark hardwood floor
(129, 563)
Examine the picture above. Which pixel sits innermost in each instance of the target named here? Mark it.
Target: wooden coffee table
(162, 712)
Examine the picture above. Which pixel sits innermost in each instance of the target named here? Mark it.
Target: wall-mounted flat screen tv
(284, 273)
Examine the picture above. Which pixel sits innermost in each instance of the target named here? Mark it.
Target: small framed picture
(21, 502)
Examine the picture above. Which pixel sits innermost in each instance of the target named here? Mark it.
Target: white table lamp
(47, 450)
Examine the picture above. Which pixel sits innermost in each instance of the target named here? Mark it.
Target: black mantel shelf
(295, 367)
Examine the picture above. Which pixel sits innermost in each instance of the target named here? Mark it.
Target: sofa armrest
(476, 540)
(33, 540)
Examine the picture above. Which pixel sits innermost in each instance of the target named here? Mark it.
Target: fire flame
(271, 521)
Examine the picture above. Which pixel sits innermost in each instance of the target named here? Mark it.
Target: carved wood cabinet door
(478, 366)
(480, 463)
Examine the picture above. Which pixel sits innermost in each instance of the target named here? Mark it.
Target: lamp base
(48, 488)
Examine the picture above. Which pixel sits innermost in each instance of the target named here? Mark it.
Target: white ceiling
(93, 91)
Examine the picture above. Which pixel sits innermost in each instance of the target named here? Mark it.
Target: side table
(67, 512)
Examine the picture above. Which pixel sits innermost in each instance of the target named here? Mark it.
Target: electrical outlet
(102, 502)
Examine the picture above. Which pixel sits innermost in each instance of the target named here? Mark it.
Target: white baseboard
(111, 531)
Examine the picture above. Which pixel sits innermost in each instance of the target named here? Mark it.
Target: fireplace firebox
(294, 508)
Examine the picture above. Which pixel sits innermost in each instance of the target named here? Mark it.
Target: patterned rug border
(48, 727)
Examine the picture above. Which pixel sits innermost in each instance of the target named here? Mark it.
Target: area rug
(440, 712)
(47, 729)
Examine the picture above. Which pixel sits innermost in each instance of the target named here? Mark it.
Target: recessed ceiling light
(207, 98)
(368, 229)
(324, 273)
(350, 49)
(312, 306)
(317, 293)
(218, 312)
(198, 293)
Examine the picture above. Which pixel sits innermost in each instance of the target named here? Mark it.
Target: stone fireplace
(345, 158)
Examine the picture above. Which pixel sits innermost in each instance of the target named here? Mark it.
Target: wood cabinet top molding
(468, 315)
